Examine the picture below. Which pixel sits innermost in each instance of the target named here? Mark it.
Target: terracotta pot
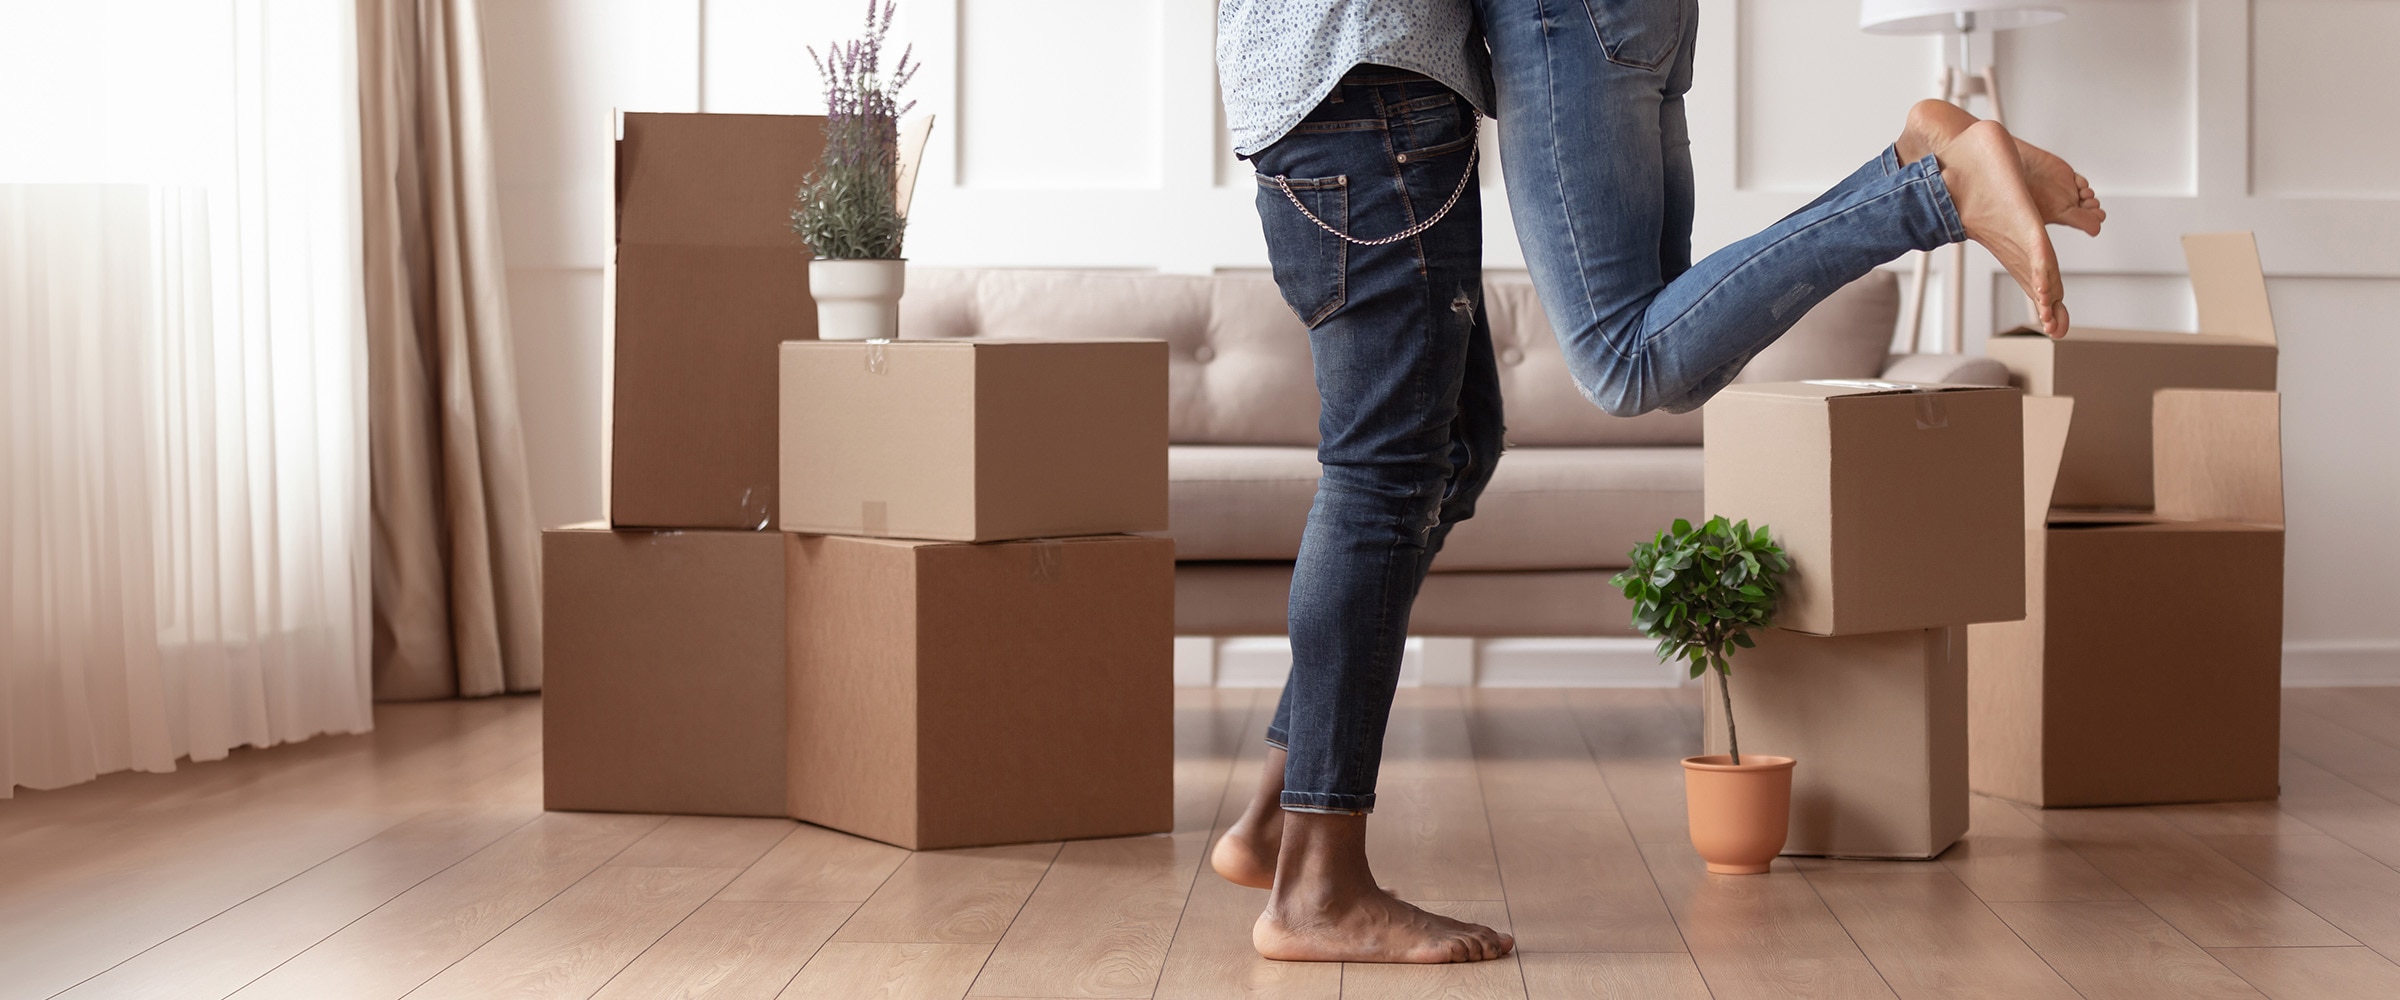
(1739, 813)
(857, 299)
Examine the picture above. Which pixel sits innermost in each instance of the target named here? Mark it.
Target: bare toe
(1987, 184)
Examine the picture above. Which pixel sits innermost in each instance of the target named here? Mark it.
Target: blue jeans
(1590, 101)
(1411, 422)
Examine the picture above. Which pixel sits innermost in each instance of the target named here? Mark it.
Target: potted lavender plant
(849, 209)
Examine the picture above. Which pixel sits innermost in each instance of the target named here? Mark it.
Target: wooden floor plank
(964, 897)
(1210, 724)
(1099, 923)
(2121, 950)
(1429, 838)
(2353, 815)
(1631, 975)
(2210, 899)
(2006, 856)
(1499, 979)
(2350, 890)
(240, 944)
(580, 940)
(814, 864)
(414, 937)
(1760, 935)
(729, 951)
(2314, 973)
(2232, 818)
(2364, 713)
(1573, 877)
(1212, 956)
(706, 842)
(2356, 757)
(886, 971)
(1931, 938)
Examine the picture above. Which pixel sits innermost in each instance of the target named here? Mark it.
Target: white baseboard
(1600, 663)
(2341, 664)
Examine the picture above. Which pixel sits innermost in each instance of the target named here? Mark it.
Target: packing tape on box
(1932, 412)
(877, 363)
(873, 518)
(1049, 560)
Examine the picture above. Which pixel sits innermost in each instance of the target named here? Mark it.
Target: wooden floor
(416, 862)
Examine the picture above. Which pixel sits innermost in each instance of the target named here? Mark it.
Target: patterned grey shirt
(1276, 59)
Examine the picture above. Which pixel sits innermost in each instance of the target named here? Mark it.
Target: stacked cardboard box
(2148, 667)
(1900, 508)
(664, 629)
(980, 651)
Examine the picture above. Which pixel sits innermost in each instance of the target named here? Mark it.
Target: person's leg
(1590, 104)
(1392, 328)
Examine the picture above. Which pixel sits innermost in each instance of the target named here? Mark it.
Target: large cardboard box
(663, 671)
(1878, 723)
(2111, 374)
(704, 280)
(948, 695)
(974, 440)
(2148, 666)
(1898, 503)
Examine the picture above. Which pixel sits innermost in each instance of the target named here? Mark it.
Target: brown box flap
(2218, 455)
(713, 179)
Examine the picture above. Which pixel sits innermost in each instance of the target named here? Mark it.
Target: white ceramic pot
(857, 299)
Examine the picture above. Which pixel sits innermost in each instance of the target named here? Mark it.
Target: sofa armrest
(1955, 369)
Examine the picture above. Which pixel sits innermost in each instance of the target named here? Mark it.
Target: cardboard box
(2149, 664)
(1898, 503)
(2111, 374)
(974, 440)
(704, 280)
(1878, 723)
(663, 671)
(948, 695)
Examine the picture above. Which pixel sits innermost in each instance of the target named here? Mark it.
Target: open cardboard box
(704, 279)
(2148, 666)
(2111, 374)
(1897, 502)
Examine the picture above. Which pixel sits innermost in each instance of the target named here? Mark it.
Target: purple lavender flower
(848, 208)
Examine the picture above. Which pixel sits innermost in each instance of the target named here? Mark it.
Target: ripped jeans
(1410, 428)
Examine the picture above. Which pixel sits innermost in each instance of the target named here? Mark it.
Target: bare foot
(1987, 184)
(1245, 855)
(2063, 196)
(1372, 926)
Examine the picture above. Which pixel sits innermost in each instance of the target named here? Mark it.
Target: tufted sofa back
(1238, 369)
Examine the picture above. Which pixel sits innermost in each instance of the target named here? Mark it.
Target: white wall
(1086, 133)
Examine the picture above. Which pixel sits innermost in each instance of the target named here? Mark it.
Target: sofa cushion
(1539, 399)
(1546, 508)
(1846, 336)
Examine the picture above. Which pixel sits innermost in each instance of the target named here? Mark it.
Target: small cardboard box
(2111, 374)
(2148, 666)
(949, 695)
(974, 440)
(1898, 503)
(663, 686)
(705, 279)
(1878, 723)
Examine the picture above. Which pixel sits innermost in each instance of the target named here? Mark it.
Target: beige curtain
(456, 552)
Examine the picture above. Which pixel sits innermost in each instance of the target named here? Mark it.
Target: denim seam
(1591, 307)
(1408, 205)
(1697, 300)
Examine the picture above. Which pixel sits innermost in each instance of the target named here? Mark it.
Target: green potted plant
(850, 208)
(1699, 592)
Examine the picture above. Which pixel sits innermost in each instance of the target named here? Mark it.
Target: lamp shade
(1932, 17)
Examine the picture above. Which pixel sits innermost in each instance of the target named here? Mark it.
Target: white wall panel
(2119, 301)
(2340, 340)
(2325, 108)
(2116, 84)
(755, 58)
(1059, 94)
(1819, 96)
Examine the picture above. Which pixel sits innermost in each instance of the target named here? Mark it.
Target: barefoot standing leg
(1245, 855)
(1327, 908)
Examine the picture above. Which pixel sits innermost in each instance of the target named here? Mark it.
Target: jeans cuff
(1328, 803)
(1279, 739)
(1890, 160)
(1929, 176)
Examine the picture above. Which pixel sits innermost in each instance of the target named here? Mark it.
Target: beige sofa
(1576, 489)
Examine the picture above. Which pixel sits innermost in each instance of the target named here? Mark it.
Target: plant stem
(1733, 739)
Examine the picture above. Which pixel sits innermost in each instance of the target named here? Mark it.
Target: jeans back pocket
(1311, 263)
(1642, 34)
